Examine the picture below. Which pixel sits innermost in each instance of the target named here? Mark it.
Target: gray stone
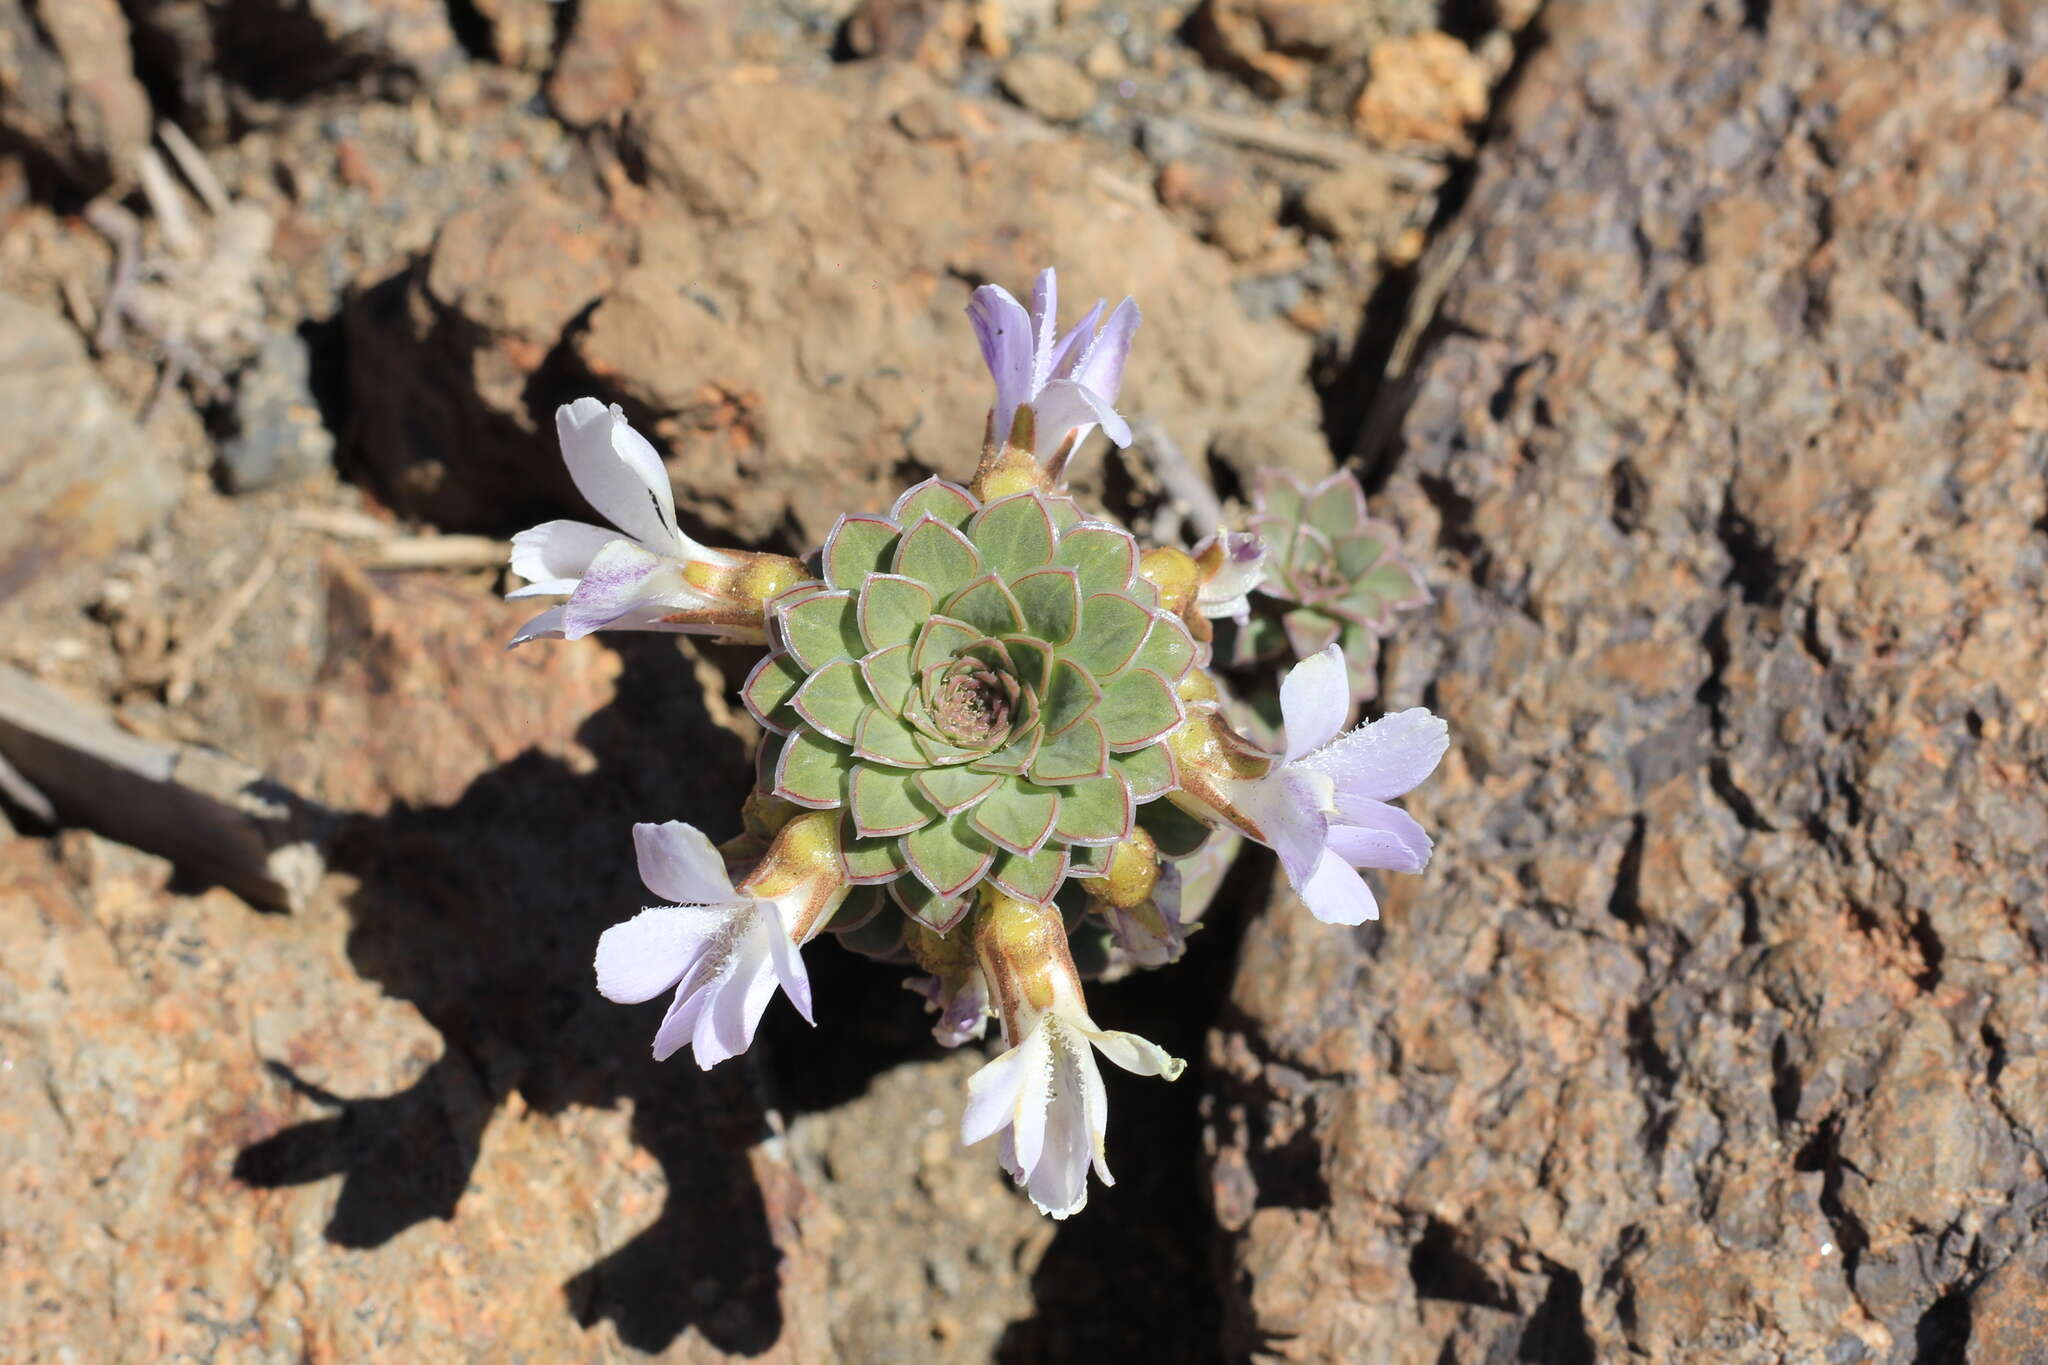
(281, 437)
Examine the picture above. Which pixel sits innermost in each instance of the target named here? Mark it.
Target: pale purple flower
(631, 578)
(1150, 933)
(1323, 806)
(1070, 380)
(1239, 566)
(1045, 1097)
(723, 951)
(962, 1005)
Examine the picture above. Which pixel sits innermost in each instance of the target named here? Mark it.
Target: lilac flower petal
(679, 862)
(1335, 894)
(992, 1095)
(1004, 330)
(652, 951)
(555, 554)
(680, 1023)
(622, 576)
(1101, 366)
(1064, 406)
(1385, 759)
(1370, 833)
(1045, 317)
(546, 626)
(618, 473)
(1315, 698)
(725, 1029)
(1067, 352)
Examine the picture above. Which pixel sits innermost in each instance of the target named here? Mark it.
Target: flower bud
(803, 872)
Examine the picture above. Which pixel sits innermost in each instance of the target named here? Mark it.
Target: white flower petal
(1065, 405)
(1139, 1056)
(1058, 1180)
(1229, 589)
(1034, 1097)
(1385, 759)
(555, 554)
(679, 862)
(546, 626)
(618, 473)
(992, 1094)
(1315, 698)
(1288, 819)
(680, 1022)
(788, 964)
(652, 951)
(1335, 894)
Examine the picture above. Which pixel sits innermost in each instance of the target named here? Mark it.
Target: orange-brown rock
(1714, 1032)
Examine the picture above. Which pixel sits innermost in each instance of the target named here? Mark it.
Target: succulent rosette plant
(1333, 575)
(974, 706)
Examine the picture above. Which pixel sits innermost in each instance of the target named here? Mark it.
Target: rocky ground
(1696, 349)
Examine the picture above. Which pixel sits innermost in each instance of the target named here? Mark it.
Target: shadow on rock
(483, 913)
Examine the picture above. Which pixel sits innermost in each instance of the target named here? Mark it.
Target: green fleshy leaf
(937, 556)
(1358, 552)
(886, 801)
(1105, 558)
(947, 502)
(1336, 507)
(813, 771)
(869, 862)
(937, 913)
(1051, 601)
(820, 628)
(1149, 772)
(948, 855)
(941, 639)
(1392, 585)
(1075, 754)
(863, 902)
(1280, 498)
(1036, 878)
(881, 936)
(833, 700)
(1309, 631)
(883, 738)
(1065, 512)
(1168, 650)
(1014, 535)
(1017, 816)
(1112, 628)
(1138, 708)
(1014, 758)
(1031, 659)
(1070, 695)
(987, 605)
(1177, 833)
(955, 789)
(1097, 812)
(768, 689)
(858, 547)
(889, 678)
(891, 609)
(942, 752)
